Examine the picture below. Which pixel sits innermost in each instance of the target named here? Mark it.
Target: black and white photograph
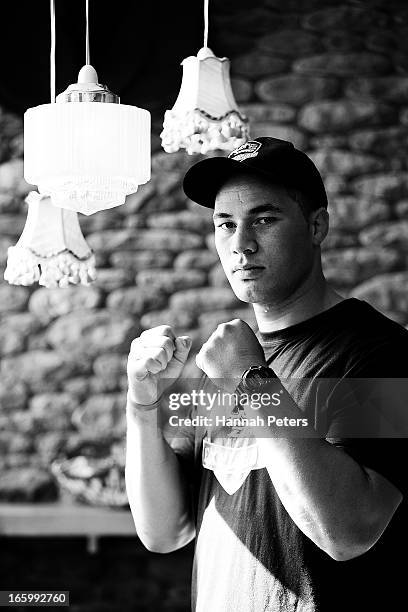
(204, 305)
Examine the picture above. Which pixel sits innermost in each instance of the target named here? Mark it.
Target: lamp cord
(87, 54)
(206, 23)
(52, 53)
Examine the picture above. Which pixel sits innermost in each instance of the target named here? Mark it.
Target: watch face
(258, 372)
(257, 376)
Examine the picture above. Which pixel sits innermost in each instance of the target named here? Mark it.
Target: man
(309, 517)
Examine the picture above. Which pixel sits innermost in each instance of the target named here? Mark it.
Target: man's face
(257, 225)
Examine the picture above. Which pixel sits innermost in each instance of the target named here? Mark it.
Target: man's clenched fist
(156, 359)
(229, 351)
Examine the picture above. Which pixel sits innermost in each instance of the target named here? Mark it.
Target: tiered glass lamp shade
(205, 116)
(87, 151)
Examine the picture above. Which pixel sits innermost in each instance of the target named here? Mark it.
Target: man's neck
(304, 305)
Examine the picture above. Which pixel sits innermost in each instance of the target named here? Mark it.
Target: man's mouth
(248, 271)
(247, 267)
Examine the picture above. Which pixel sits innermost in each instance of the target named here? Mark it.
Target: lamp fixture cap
(205, 52)
(87, 89)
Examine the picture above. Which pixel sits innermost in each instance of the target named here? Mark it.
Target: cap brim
(203, 180)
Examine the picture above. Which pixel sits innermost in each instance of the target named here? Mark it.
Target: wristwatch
(255, 378)
(252, 380)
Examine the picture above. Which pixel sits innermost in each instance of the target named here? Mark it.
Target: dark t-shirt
(250, 556)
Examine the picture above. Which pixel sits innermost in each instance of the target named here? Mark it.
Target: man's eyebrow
(252, 211)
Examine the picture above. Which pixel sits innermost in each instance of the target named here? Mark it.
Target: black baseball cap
(276, 160)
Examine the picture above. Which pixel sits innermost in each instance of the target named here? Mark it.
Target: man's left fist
(229, 351)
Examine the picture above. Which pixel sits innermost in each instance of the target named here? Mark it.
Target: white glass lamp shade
(51, 249)
(87, 156)
(205, 115)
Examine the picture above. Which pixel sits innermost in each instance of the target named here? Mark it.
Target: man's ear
(319, 225)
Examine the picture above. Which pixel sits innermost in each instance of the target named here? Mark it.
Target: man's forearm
(326, 493)
(331, 497)
(158, 494)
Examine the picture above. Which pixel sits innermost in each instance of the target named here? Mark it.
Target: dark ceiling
(135, 46)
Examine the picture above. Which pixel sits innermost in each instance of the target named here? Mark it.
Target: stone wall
(333, 78)
(330, 76)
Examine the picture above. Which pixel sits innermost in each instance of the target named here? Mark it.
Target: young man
(309, 515)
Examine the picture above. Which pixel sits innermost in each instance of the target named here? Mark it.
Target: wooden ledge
(64, 519)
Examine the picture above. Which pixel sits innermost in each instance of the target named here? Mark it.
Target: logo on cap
(248, 149)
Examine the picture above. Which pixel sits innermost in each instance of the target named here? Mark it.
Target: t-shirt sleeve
(385, 456)
(367, 418)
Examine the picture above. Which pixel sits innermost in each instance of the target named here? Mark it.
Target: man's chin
(248, 293)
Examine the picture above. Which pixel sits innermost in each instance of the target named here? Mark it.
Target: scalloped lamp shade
(51, 250)
(205, 116)
(87, 156)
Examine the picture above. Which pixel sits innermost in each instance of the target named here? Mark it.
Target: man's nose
(243, 241)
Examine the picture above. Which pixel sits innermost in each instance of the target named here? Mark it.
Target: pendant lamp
(205, 116)
(87, 151)
(51, 250)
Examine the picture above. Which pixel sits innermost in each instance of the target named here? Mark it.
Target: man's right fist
(156, 359)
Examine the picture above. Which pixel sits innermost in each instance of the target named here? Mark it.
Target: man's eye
(265, 220)
(225, 224)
